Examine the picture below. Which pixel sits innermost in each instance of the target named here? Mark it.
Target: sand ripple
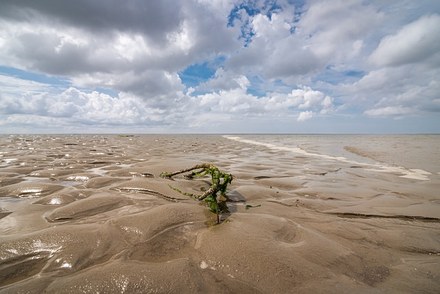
(159, 188)
(29, 190)
(93, 205)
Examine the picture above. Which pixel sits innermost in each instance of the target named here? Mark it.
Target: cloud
(148, 84)
(303, 98)
(238, 101)
(152, 19)
(294, 49)
(75, 106)
(274, 51)
(305, 115)
(389, 111)
(415, 42)
(48, 108)
(336, 29)
(136, 48)
(411, 89)
(271, 63)
(224, 80)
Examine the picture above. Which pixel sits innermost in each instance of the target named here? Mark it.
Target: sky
(220, 66)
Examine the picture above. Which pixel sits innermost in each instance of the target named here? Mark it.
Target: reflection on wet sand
(82, 214)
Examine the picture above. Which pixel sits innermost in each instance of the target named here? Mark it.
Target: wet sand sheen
(82, 214)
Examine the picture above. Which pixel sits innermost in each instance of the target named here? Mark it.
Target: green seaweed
(215, 196)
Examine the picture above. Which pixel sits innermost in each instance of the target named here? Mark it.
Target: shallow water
(406, 152)
(333, 213)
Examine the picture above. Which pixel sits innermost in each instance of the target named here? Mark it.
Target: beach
(307, 214)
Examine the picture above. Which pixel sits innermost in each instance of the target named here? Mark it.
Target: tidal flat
(307, 214)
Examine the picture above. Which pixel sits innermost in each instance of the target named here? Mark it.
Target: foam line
(416, 174)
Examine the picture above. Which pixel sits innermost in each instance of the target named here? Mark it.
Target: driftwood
(219, 183)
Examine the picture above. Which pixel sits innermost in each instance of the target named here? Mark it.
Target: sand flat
(308, 214)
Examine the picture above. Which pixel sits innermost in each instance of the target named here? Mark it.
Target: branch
(198, 166)
(219, 183)
(210, 191)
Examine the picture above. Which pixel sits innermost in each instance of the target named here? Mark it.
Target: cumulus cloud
(305, 115)
(295, 49)
(224, 80)
(413, 87)
(276, 61)
(303, 98)
(336, 29)
(137, 47)
(73, 105)
(153, 19)
(284, 54)
(238, 101)
(389, 110)
(415, 42)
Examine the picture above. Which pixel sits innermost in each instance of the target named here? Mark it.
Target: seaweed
(215, 196)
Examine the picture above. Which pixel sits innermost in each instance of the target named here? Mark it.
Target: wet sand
(89, 213)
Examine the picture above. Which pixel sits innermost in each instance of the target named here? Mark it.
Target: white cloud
(73, 105)
(321, 60)
(237, 101)
(224, 80)
(305, 115)
(335, 29)
(415, 42)
(389, 111)
(328, 33)
(140, 53)
(274, 51)
(412, 89)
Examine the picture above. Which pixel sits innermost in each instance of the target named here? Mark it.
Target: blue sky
(220, 66)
